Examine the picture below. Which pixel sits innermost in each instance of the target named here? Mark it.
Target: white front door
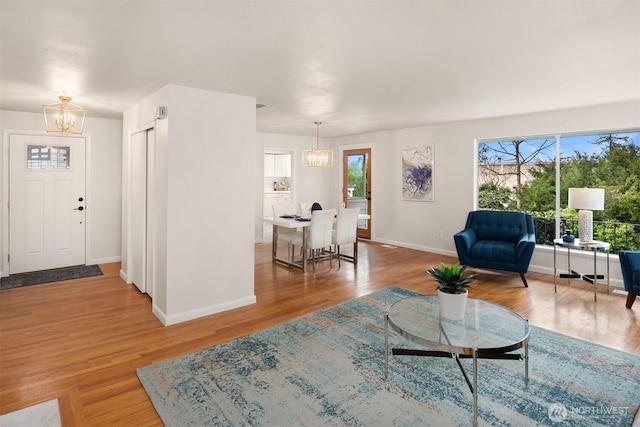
(46, 202)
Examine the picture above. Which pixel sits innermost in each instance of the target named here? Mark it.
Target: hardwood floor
(82, 340)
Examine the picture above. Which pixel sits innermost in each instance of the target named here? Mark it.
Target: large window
(534, 174)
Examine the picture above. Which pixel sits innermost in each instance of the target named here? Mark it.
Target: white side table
(595, 247)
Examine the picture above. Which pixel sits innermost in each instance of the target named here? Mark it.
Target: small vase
(568, 238)
(452, 306)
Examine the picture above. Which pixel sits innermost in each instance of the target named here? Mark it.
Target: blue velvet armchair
(630, 266)
(497, 240)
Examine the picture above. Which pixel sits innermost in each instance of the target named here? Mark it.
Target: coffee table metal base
(504, 353)
(457, 357)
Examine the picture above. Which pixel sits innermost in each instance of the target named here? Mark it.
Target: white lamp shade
(317, 158)
(586, 198)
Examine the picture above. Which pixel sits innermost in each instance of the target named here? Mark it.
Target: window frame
(557, 136)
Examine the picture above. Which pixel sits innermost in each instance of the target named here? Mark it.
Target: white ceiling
(359, 66)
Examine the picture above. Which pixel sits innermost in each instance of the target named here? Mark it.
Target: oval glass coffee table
(488, 331)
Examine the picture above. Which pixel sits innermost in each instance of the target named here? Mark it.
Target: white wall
(104, 185)
(416, 224)
(204, 243)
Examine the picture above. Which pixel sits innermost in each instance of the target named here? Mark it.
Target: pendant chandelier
(318, 157)
(64, 117)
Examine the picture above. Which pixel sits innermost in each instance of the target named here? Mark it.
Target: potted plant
(453, 282)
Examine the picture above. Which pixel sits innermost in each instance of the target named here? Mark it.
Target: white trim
(562, 134)
(476, 166)
(557, 231)
(143, 127)
(585, 256)
(5, 204)
(438, 251)
(104, 260)
(88, 199)
(172, 319)
(124, 277)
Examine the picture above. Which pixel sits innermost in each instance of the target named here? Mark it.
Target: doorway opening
(278, 184)
(356, 186)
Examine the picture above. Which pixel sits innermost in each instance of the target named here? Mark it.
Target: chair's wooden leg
(524, 280)
(338, 251)
(630, 299)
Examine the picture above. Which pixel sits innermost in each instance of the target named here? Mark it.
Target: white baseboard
(123, 276)
(201, 312)
(105, 260)
(615, 282)
(439, 251)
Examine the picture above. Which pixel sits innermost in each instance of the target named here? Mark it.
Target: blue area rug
(327, 368)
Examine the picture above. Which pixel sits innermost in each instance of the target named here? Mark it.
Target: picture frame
(418, 174)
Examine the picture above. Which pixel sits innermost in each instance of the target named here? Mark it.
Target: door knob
(81, 208)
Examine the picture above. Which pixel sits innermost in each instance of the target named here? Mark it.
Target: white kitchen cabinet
(283, 165)
(277, 165)
(269, 165)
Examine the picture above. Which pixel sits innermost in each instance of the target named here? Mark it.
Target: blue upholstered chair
(497, 240)
(630, 265)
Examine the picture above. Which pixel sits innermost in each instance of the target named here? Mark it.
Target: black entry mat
(46, 276)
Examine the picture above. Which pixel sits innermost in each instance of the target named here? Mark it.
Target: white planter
(452, 306)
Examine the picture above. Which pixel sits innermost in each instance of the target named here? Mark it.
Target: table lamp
(586, 200)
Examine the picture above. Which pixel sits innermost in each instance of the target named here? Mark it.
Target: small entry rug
(327, 368)
(47, 276)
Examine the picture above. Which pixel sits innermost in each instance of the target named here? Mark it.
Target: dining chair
(346, 232)
(306, 209)
(284, 235)
(318, 234)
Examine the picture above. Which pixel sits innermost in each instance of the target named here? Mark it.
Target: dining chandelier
(64, 117)
(318, 157)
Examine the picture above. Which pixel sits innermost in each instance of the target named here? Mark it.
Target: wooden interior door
(356, 185)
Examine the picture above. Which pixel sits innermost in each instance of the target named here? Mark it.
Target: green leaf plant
(452, 279)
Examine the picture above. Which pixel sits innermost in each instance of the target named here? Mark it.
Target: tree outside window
(520, 174)
(357, 173)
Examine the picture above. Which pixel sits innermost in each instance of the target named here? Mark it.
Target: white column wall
(210, 247)
(203, 239)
